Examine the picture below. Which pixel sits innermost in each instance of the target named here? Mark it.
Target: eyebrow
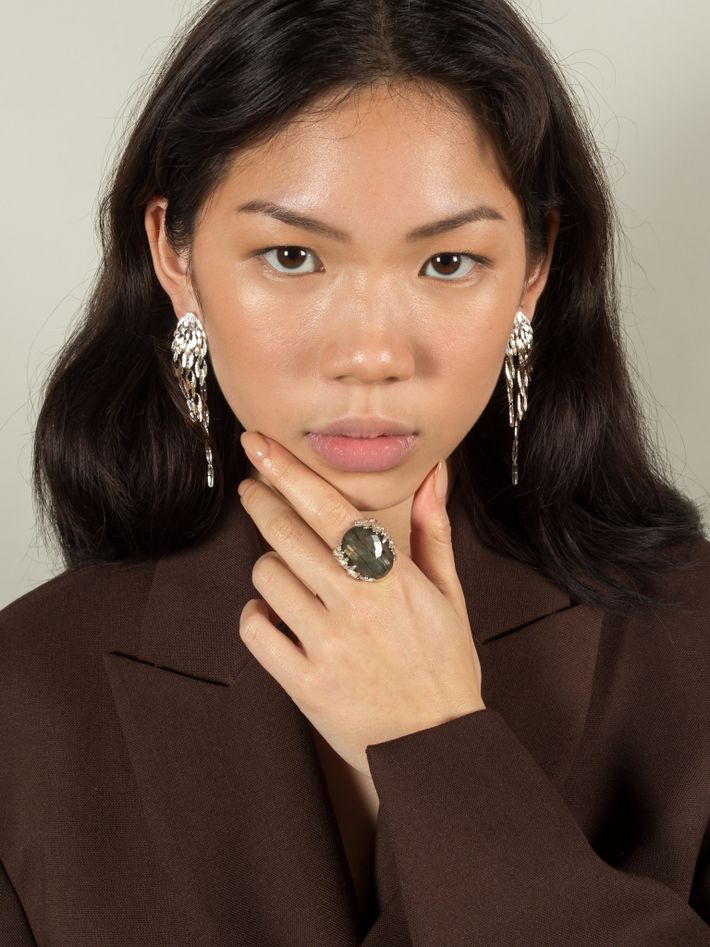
(288, 216)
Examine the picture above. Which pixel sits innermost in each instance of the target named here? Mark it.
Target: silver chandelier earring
(518, 347)
(189, 348)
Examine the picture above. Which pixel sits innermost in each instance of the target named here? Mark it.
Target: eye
(291, 258)
(447, 260)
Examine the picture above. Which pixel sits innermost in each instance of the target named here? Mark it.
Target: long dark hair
(118, 468)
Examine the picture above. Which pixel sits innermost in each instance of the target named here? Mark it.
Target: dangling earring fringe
(189, 348)
(519, 346)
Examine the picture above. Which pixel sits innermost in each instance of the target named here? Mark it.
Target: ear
(170, 267)
(536, 277)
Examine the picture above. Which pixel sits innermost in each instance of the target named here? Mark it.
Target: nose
(368, 349)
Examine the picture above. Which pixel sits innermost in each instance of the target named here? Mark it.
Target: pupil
(283, 251)
(450, 260)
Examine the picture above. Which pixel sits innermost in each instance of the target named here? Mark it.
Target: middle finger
(304, 552)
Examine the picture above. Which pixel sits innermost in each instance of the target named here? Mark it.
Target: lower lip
(362, 454)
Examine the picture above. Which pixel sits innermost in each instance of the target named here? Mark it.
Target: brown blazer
(159, 789)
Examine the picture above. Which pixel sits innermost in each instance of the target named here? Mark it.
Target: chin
(366, 500)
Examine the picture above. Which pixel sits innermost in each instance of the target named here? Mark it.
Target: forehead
(383, 114)
(384, 146)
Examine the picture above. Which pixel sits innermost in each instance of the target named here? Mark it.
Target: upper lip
(352, 426)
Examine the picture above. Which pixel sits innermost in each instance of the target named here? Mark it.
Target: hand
(374, 660)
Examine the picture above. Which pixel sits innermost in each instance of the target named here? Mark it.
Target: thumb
(430, 534)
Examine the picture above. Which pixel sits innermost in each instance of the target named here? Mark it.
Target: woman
(341, 693)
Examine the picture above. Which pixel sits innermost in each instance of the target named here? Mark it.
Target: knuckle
(281, 469)
(442, 531)
(248, 631)
(248, 622)
(328, 647)
(330, 510)
(310, 690)
(284, 528)
(264, 569)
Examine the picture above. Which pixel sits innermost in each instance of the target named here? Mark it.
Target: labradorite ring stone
(366, 551)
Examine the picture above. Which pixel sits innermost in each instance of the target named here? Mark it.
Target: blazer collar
(235, 802)
(503, 593)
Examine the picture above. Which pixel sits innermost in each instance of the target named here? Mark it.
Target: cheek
(470, 363)
(474, 349)
(249, 339)
(254, 366)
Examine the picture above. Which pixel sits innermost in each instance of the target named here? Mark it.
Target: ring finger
(301, 549)
(294, 604)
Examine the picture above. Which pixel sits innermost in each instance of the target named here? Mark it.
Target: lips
(365, 427)
(362, 454)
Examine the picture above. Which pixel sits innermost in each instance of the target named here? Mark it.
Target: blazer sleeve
(15, 930)
(488, 853)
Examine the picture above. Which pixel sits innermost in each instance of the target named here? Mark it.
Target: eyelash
(441, 279)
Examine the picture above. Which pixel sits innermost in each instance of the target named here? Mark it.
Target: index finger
(325, 510)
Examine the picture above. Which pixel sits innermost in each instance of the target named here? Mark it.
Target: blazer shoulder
(63, 608)
(674, 637)
(687, 586)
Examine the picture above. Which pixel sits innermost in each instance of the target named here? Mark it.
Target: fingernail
(441, 479)
(255, 445)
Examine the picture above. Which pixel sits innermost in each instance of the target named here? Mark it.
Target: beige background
(68, 75)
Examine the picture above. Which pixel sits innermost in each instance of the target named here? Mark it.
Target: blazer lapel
(538, 648)
(234, 799)
(232, 792)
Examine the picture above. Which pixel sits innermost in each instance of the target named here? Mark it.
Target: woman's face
(376, 320)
